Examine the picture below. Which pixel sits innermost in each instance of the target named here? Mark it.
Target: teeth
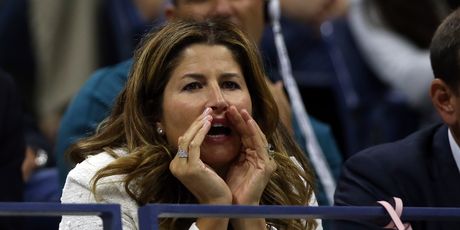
(217, 125)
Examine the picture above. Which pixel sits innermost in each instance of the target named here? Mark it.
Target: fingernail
(207, 110)
(207, 118)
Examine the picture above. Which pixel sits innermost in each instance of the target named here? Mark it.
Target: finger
(258, 138)
(195, 143)
(184, 140)
(246, 116)
(240, 126)
(254, 128)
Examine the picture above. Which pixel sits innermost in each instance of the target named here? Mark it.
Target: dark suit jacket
(419, 169)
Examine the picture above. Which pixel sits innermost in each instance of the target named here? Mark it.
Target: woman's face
(206, 76)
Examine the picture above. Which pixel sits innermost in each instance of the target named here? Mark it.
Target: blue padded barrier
(149, 214)
(109, 213)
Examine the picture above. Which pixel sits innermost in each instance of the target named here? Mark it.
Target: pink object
(395, 214)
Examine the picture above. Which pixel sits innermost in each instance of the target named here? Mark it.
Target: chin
(219, 159)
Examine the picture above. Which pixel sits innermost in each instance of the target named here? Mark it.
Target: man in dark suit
(424, 168)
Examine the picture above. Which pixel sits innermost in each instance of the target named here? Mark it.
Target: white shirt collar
(455, 149)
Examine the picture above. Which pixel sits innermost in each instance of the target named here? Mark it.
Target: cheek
(252, 10)
(244, 102)
(175, 122)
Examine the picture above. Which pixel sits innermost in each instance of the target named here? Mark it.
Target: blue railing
(149, 214)
(109, 213)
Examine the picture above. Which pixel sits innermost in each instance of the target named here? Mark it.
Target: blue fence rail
(149, 214)
(109, 213)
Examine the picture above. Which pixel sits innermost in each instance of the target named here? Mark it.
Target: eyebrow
(198, 76)
(195, 76)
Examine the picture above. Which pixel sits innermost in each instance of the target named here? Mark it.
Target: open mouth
(219, 130)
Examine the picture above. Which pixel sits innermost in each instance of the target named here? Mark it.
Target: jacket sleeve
(110, 190)
(363, 182)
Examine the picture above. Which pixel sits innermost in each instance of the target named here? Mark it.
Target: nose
(216, 100)
(223, 8)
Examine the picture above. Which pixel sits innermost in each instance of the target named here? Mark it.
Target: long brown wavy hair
(131, 125)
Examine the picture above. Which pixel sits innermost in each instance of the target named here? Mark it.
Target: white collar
(455, 149)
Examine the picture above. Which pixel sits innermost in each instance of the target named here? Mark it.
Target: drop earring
(160, 131)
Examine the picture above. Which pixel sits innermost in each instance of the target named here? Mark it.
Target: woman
(193, 125)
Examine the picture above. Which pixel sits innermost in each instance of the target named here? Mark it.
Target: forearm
(213, 223)
(249, 223)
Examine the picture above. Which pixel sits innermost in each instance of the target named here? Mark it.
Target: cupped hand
(198, 177)
(250, 174)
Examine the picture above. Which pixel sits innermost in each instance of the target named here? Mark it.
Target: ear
(159, 129)
(444, 100)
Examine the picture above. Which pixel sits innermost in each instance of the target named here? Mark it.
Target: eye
(192, 86)
(230, 85)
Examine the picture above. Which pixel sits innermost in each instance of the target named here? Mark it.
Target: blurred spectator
(72, 38)
(394, 37)
(311, 64)
(16, 50)
(41, 179)
(12, 148)
(314, 12)
(39, 167)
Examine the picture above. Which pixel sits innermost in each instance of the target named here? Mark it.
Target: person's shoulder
(413, 147)
(120, 70)
(318, 126)
(108, 75)
(101, 88)
(86, 169)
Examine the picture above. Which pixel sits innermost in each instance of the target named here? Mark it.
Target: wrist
(237, 201)
(252, 223)
(216, 201)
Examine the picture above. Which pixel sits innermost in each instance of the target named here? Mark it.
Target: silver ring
(182, 153)
(270, 150)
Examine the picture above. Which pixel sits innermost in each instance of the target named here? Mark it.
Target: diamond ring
(182, 153)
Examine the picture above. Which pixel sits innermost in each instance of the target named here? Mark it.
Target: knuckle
(181, 140)
(194, 145)
(173, 167)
